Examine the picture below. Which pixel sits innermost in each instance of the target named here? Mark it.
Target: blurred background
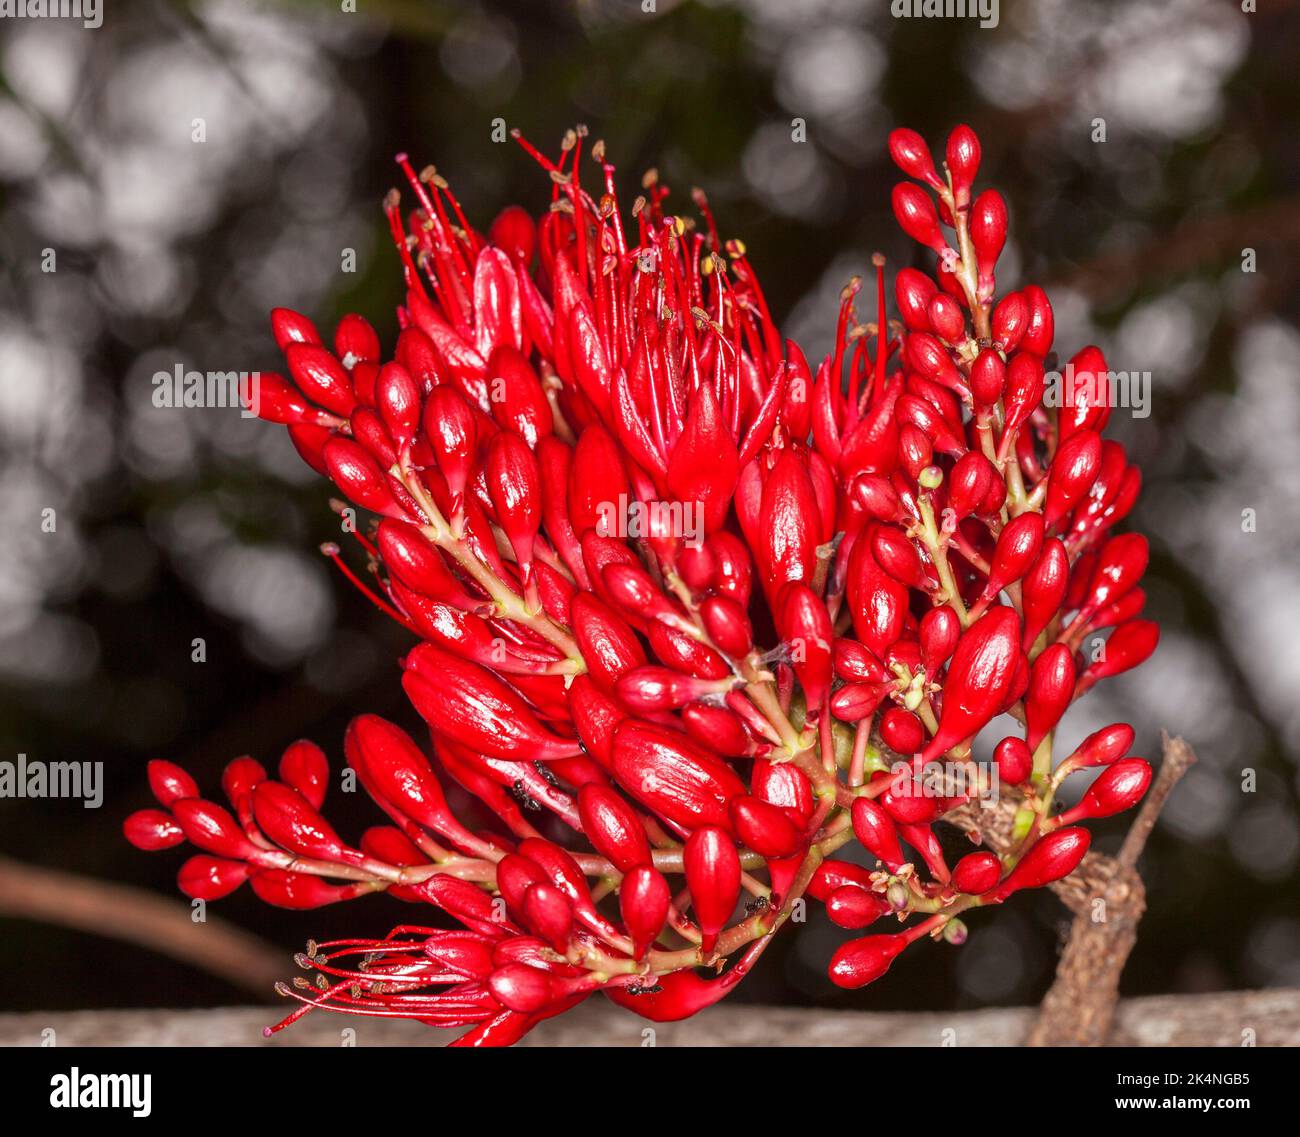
(170, 176)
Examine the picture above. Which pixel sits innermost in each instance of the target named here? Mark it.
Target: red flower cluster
(692, 618)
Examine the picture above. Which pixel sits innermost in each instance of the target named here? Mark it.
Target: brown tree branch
(120, 912)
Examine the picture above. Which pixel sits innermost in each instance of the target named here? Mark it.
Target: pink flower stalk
(602, 486)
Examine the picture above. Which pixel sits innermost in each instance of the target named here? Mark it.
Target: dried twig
(120, 912)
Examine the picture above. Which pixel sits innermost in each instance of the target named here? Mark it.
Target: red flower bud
(862, 961)
(608, 645)
(1024, 391)
(764, 828)
(979, 678)
(1010, 322)
(514, 233)
(912, 156)
(931, 359)
(284, 815)
(210, 878)
(356, 338)
(515, 485)
(450, 427)
(613, 827)
(947, 320)
(1051, 688)
(988, 378)
(1042, 325)
(805, 627)
(914, 211)
(1115, 790)
(1129, 645)
(1014, 760)
(152, 829)
(1017, 550)
(1073, 471)
(853, 907)
(212, 829)
(320, 377)
(357, 474)
(547, 911)
(304, 767)
(1103, 746)
(902, 731)
(290, 327)
(298, 890)
(169, 782)
(713, 878)
(728, 625)
(643, 899)
(1051, 857)
(668, 773)
(913, 291)
(470, 705)
(988, 231)
(976, 873)
(857, 701)
(940, 631)
(1044, 588)
(963, 154)
(877, 832)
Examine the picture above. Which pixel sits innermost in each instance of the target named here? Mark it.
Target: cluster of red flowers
(590, 447)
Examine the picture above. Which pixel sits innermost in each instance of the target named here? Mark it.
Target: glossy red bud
(931, 359)
(988, 378)
(963, 155)
(947, 321)
(1103, 746)
(916, 216)
(169, 782)
(212, 829)
(1010, 321)
(1129, 645)
(1044, 588)
(764, 828)
(913, 291)
(857, 701)
(1051, 857)
(713, 877)
(291, 327)
(515, 485)
(979, 678)
(853, 907)
(321, 377)
(862, 961)
(969, 482)
(976, 873)
(286, 817)
(901, 730)
(1051, 688)
(669, 773)
(784, 785)
(643, 899)
(355, 471)
(450, 428)
(805, 628)
(1073, 471)
(988, 230)
(1017, 549)
(613, 827)
(356, 338)
(1042, 325)
(1023, 394)
(717, 729)
(940, 631)
(304, 766)
(471, 705)
(300, 891)
(513, 231)
(834, 874)
(1014, 760)
(912, 156)
(877, 832)
(1120, 565)
(152, 829)
(547, 911)
(728, 626)
(1116, 789)
(210, 878)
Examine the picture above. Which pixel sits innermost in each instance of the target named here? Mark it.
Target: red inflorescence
(692, 616)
